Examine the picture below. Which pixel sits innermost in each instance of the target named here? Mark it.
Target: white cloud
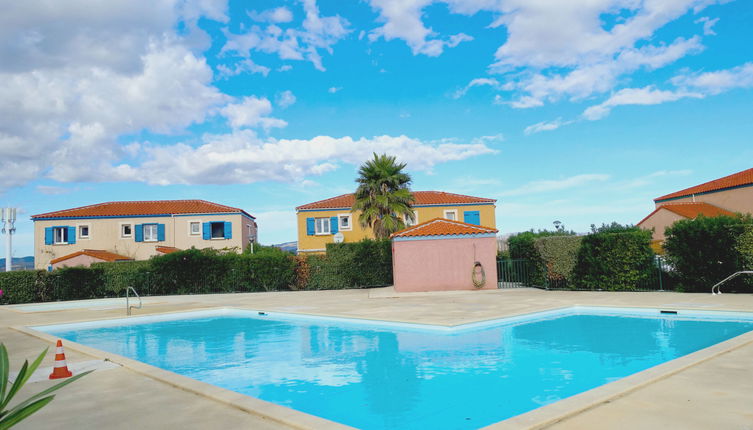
(285, 68)
(708, 25)
(315, 33)
(276, 15)
(243, 66)
(51, 190)
(635, 96)
(485, 140)
(545, 126)
(333, 90)
(476, 83)
(718, 81)
(285, 99)
(546, 186)
(402, 20)
(251, 112)
(243, 157)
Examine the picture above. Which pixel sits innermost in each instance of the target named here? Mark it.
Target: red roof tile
(346, 201)
(735, 180)
(690, 210)
(94, 253)
(167, 249)
(155, 207)
(442, 227)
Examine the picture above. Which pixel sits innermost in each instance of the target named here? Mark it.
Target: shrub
(367, 263)
(559, 255)
(615, 258)
(116, 277)
(76, 283)
(706, 250)
(22, 286)
(522, 246)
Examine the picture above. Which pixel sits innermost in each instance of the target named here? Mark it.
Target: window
(194, 228)
(126, 230)
(83, 232)
(322, 226)
(451, 215)
(250, 229)
(60, 235)
(218, 230)
(344, 222)
(150, 232)
(409, 223)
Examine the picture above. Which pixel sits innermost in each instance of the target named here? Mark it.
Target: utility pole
(8, 220)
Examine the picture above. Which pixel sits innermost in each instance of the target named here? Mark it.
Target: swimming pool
(379, 375)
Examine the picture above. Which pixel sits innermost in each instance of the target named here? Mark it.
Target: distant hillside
(23, 263)
(288, 246)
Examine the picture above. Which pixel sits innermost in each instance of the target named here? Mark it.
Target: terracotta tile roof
(94, 253)
(346, 201)
(442, 227)
(154, 207)
(735, 180)
(690, 210)
(167, 249)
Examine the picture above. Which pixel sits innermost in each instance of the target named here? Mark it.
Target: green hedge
(193, 271)
(615, 258)
(523, 246)
(706, 250)
(559, 255)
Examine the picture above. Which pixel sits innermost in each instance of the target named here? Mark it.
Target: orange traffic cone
(61, 367)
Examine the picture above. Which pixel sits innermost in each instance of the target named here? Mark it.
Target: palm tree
(383, 196)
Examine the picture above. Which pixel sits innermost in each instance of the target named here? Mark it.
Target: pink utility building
(443, 255)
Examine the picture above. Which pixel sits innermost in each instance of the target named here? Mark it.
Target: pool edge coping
(538, 418)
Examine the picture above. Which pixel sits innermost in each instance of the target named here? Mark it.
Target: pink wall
(79, 260)
(442, 264)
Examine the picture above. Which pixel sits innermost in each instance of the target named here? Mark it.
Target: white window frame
(64, 235)
(250, 230)
(320, 231)
(155, 237)
(211, 230)
(191, 222)
(88, 231)
(340, 223)
(452, 211)
(123, 235)
(415, 219)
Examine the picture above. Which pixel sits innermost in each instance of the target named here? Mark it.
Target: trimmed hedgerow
(523, 246)
(559, 255)
(615, 258)
(363, 264)
(706, 250)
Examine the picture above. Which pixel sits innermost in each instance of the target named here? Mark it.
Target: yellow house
(320, 223)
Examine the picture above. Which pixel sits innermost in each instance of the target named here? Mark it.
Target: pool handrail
(128, 306)
(718, 285)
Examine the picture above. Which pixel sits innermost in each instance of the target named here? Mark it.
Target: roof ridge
(445, 220)
(324, 200)
(713, 185)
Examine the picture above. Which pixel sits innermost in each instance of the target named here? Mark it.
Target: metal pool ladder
(717, 289)
(128, 305)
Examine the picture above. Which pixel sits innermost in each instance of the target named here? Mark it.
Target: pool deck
(711, 389)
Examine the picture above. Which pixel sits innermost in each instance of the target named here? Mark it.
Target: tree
(383, 196)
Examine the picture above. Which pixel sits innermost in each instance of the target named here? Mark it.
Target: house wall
(659, 222)
(443, 264)
(318, 243)
(79, 260)
(734, 200)
(104, 234)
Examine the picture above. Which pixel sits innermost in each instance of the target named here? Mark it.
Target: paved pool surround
(707, 389)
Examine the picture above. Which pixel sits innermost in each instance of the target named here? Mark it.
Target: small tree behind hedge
(614, 257)
(559, 254)
(705, 250)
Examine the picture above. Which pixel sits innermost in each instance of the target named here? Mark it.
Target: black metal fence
(519, 273)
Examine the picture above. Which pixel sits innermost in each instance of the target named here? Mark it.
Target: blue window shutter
(206, 230)
(48, 238)
(138, 232)
(71, 235)
(333, 226)
(472, 217)
(310, 228)
(160, 232)
(228, 230)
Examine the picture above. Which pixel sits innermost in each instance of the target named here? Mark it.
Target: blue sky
(580, 111)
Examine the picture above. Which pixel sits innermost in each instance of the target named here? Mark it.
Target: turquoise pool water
(377, 375)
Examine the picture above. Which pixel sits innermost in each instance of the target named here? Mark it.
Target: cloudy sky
(579, 111)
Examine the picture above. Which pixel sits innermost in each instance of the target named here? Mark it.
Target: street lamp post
(8, 220)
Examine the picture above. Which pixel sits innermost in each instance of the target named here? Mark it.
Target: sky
(581, 111)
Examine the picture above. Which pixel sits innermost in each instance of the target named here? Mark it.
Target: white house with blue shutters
(139, 230)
